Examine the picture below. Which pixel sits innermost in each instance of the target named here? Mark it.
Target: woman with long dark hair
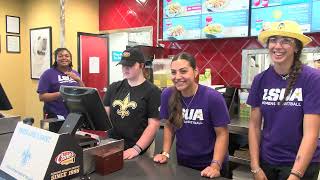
(286, 96)
(198, 117)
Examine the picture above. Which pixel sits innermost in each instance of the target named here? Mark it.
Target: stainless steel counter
(238, 126)
(143, 168)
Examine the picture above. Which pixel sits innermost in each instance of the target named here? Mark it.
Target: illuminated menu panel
(315, 25)
(204, 19)
(263, 12)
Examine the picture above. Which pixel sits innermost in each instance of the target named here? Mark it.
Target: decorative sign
(116, 56)
(29, 152)
(35, 153)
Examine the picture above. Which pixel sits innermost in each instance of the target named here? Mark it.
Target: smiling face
(183, 75)
(282, 49)
(63, 59)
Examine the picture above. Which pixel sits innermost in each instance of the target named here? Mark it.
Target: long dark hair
(175, 106)
(295, 69)
(55, 54)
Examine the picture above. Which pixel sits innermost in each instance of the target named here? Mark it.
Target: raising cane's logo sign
(65, 158)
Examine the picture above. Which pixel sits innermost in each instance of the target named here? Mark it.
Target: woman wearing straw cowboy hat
(286, 97)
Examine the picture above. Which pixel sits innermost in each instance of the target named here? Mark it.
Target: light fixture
(141, 1)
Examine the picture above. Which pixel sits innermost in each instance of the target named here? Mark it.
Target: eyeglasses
(281, 40)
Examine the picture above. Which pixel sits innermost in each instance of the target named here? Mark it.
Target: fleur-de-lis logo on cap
(124, 105)
(281, 26)
(126, 54)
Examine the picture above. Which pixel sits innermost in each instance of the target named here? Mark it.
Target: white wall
(117, 42)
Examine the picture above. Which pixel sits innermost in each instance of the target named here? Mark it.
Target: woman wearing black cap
(133, 105)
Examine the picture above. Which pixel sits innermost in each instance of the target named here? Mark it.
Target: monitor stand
(85, 141)
(71, 125)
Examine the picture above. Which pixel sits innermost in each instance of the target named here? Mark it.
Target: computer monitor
(86, 110)
(4, 101)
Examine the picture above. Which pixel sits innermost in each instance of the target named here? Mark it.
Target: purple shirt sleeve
(164, 108)
(311, 100)
(44, 83)
(218, 111)
(254, 99)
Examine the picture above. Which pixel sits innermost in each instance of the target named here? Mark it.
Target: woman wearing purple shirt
(197, 115)
(50, 81)
(286, 96)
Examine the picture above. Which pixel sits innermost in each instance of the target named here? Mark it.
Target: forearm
(47, 97)
(148, 134)
(254, 136)
(306, 150)
(254, 144)
(221, 146)
(81, 83)
(168, 136)
(308, 145)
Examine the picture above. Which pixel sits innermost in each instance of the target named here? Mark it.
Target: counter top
(143, 168)
(238, 126)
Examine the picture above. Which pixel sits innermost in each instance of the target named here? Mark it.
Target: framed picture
(40, 51)
(13, 24)
(13, 44)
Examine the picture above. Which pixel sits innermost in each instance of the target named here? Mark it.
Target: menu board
(205, 19)
(264, 12)
(315, 26)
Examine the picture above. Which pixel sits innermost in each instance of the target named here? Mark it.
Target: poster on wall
(13, 24)
(40, 50)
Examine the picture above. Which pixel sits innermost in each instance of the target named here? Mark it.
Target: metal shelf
(239, 160)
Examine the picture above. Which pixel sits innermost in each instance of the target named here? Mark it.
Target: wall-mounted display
(13, 44)
(40, 50)
(315, 26)
(12, 24)
(205, 19)
(263, 12)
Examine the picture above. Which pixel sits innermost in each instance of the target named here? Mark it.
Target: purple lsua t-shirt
(283, 124)
(196, 138)
(50, 81)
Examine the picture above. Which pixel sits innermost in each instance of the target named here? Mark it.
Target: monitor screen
(205, 19)
(4, 101)
(304, 12)
(85, 104)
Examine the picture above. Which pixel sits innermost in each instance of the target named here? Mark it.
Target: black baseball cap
(130, 56)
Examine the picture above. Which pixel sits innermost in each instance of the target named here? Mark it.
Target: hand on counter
(130, 153)
(160, 158)
(211, 172)
(260, 176)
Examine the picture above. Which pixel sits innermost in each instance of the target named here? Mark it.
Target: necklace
(284, 76)
(188, 105)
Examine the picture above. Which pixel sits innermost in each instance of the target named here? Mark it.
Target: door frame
(79, 34)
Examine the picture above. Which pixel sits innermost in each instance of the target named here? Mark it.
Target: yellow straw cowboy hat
(284, 28)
